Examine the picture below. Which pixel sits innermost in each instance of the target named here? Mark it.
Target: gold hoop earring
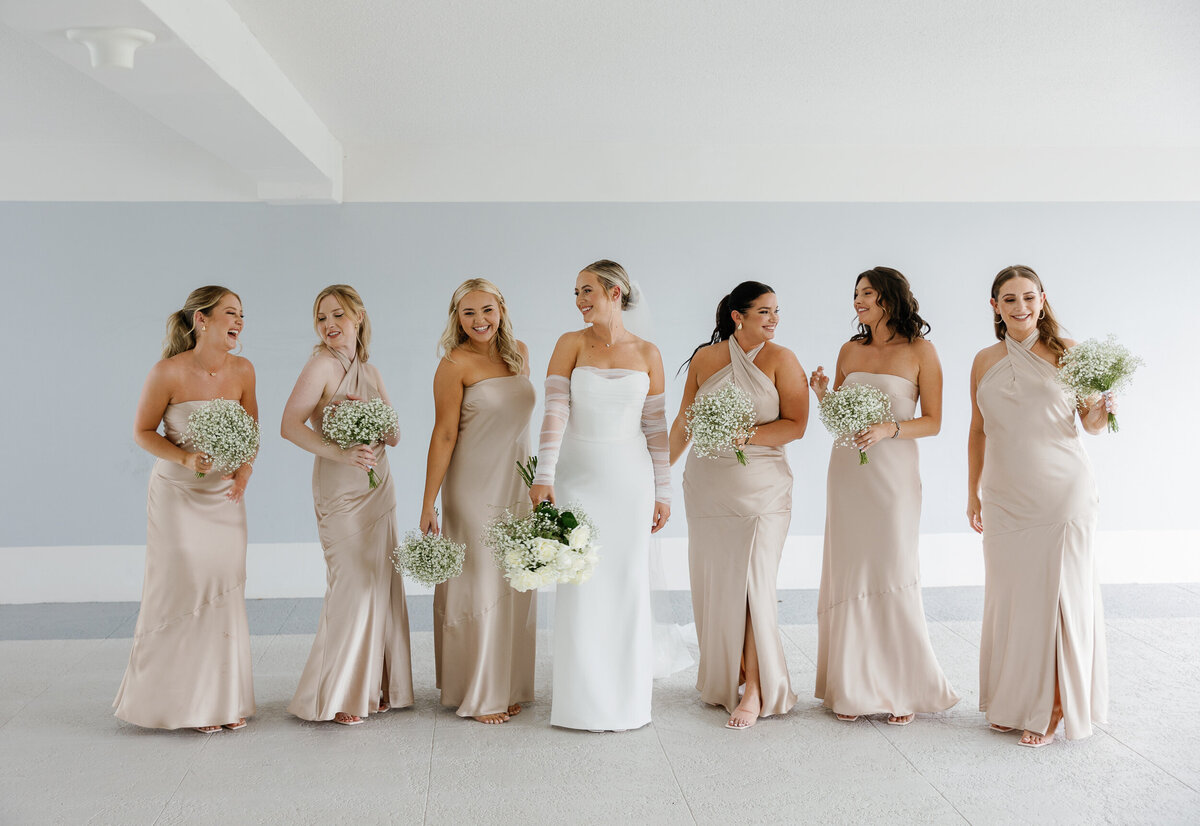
(998, 319)
(1043, 315)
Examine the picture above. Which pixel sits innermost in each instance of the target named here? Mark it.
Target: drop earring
(739, 326)
(1042, 314)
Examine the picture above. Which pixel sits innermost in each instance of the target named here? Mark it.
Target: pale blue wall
(87, 289)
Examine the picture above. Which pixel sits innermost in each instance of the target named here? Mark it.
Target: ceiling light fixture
(111, 47)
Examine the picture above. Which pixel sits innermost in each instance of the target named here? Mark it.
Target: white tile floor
(65, 759)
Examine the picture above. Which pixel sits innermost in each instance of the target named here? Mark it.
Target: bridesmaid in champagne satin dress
(485, 633)
(738, 515)
(359, 661)
(874, 654)
(1042, 656)
(190, 663)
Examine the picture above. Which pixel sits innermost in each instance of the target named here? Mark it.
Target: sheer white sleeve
(558, 408)
(654, 425)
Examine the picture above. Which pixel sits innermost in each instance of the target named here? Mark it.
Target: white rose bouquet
(429, 559)
(224, 431)
(357, 422)
(545, 546)
(852, 407)
(716, 421)
(1092, 367)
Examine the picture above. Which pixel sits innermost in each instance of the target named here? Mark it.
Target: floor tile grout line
(969, 642)
(920, 774)
(794, 642)
(429, 774)
(125, 619)
(179, 785)
(1135, 637)
(278, 632)
(1167, 772)
(674, 776)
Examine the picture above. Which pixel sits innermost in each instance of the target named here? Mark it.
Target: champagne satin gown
(485, 633)
(738, 518)
(362, 638)
(190, 663)
(1042, 613)
(874, 654)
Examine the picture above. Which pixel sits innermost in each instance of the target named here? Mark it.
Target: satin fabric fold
(1043, 617)
(485, 633)
(190, 663)
(362, 645)
(873, 650)
(738, 518)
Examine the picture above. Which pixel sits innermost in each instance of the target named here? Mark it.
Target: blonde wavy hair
(352, 303)
(453, 336)
(181, 324)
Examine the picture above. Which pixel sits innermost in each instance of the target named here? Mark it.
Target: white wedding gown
(603, 647)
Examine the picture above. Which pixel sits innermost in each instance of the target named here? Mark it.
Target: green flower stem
(1112, 423)
(372, 478)
(862, 458)
(741, 457)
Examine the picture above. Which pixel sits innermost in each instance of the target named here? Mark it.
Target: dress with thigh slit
(738, 517)
(1042, 615)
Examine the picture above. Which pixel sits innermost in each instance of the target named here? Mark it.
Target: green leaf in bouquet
(528, 470)
(568, 521)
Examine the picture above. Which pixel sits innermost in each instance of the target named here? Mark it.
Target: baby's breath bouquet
(717, 420)
(545, 546)
(429, 559)
(223, 430)
(1093, 366)
(851, 408)
(357, 422)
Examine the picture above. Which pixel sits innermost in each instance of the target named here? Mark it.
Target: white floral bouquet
(1092, 367)
(545, 546)
(429, 559)
(716, 421)
(223, 430)
(852, 408)
(357, 422)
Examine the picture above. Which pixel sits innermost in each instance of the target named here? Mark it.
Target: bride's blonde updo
(611, 274)
(454, 335)
(181, 324)
(352, 303)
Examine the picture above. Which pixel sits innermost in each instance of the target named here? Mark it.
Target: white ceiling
(644, 100)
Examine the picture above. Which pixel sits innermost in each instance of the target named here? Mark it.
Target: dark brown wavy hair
(897, 300)
(1047, 326)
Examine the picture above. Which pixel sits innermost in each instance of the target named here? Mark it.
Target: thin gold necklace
(212, 373)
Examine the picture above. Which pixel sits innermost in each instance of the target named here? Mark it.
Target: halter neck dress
(738, 518)
(1043, 619)
(362, 640)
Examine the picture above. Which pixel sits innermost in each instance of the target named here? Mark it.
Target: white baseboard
(113, 573)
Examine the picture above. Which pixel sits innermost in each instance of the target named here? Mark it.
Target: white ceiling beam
(208, 78)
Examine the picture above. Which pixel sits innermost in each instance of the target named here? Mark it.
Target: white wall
(88, 288)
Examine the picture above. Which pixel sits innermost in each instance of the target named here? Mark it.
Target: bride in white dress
(604, 446)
